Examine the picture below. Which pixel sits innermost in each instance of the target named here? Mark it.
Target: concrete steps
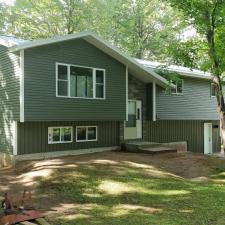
(148, 147)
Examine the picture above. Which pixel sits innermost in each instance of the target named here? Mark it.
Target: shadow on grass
(128, 193)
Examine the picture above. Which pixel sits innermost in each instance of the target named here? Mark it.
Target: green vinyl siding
(191, 131)
(9, 97)
(33, 136)
(41, 103)
(195, 103)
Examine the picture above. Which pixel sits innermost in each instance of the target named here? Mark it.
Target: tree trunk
(216, 68)
(221, 107)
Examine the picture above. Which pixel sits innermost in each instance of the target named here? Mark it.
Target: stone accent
(136, 91)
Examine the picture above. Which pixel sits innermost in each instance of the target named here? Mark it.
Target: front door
(207, 138)
(133, 127)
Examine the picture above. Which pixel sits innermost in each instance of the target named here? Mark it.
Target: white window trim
(211, 86)
(94, 81)
(87, 133)
(60, 142)
(178, 93)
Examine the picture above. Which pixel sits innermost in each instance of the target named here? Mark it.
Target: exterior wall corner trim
(21, 86)
(154, 101)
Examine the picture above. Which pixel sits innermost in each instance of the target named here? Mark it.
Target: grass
(129, 193)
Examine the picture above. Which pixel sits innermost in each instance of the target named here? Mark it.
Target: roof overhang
(143, 73)
(182, 71)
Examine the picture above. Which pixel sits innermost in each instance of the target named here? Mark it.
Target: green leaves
(144, 28)
(207, 16)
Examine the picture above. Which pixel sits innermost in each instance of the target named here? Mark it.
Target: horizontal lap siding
(33, 136)
(172, 131)
(41, 103)
(9, 97)
(195, 103)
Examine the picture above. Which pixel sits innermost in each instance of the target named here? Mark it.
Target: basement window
(60, 135)
(86, 133)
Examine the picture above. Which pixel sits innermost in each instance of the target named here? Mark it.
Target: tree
(3, 16)
(32, 19)
(146, 28)
(207, 16)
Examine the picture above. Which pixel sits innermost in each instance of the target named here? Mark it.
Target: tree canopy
(144, 28)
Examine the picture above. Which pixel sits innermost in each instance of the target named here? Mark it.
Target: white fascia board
(47, 41)
(21, 86)
(102, 44)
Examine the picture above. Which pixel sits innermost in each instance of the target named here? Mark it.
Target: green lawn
(127, 192)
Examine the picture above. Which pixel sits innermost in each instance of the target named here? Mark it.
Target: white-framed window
(86, 133)
(178, 87)
(74, 81)
(60, 135)
(213, 90)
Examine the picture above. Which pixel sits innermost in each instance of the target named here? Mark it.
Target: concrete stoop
(148, 147)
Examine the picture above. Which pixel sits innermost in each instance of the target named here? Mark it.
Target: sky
(8, 2)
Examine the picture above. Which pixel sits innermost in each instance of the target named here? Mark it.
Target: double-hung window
(60, 135)
(99, 83)
(80, 82)
(86, 133)
(63, 80)
(213, 90)
(178, 87)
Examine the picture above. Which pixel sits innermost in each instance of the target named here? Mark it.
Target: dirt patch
(28, 174)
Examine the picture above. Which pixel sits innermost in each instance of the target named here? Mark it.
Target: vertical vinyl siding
(41, 103)
(191, 131)
(9, 97)
(149, 101)
(33, 136)
(195, 103)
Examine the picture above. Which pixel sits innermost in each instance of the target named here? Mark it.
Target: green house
(78, 93)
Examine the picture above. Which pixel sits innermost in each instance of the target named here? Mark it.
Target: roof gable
(141, 72)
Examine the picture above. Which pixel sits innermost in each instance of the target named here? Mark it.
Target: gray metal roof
(183, 71)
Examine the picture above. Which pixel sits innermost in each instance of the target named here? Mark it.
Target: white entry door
(133, 127)
(207, 138)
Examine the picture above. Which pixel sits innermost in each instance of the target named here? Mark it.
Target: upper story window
(178, 86)
(213, 90)
(80, 82)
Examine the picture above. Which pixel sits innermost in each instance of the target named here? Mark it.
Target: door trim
(208, 138)
(139, 130)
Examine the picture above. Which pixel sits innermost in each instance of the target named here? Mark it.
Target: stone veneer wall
(137, 91)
